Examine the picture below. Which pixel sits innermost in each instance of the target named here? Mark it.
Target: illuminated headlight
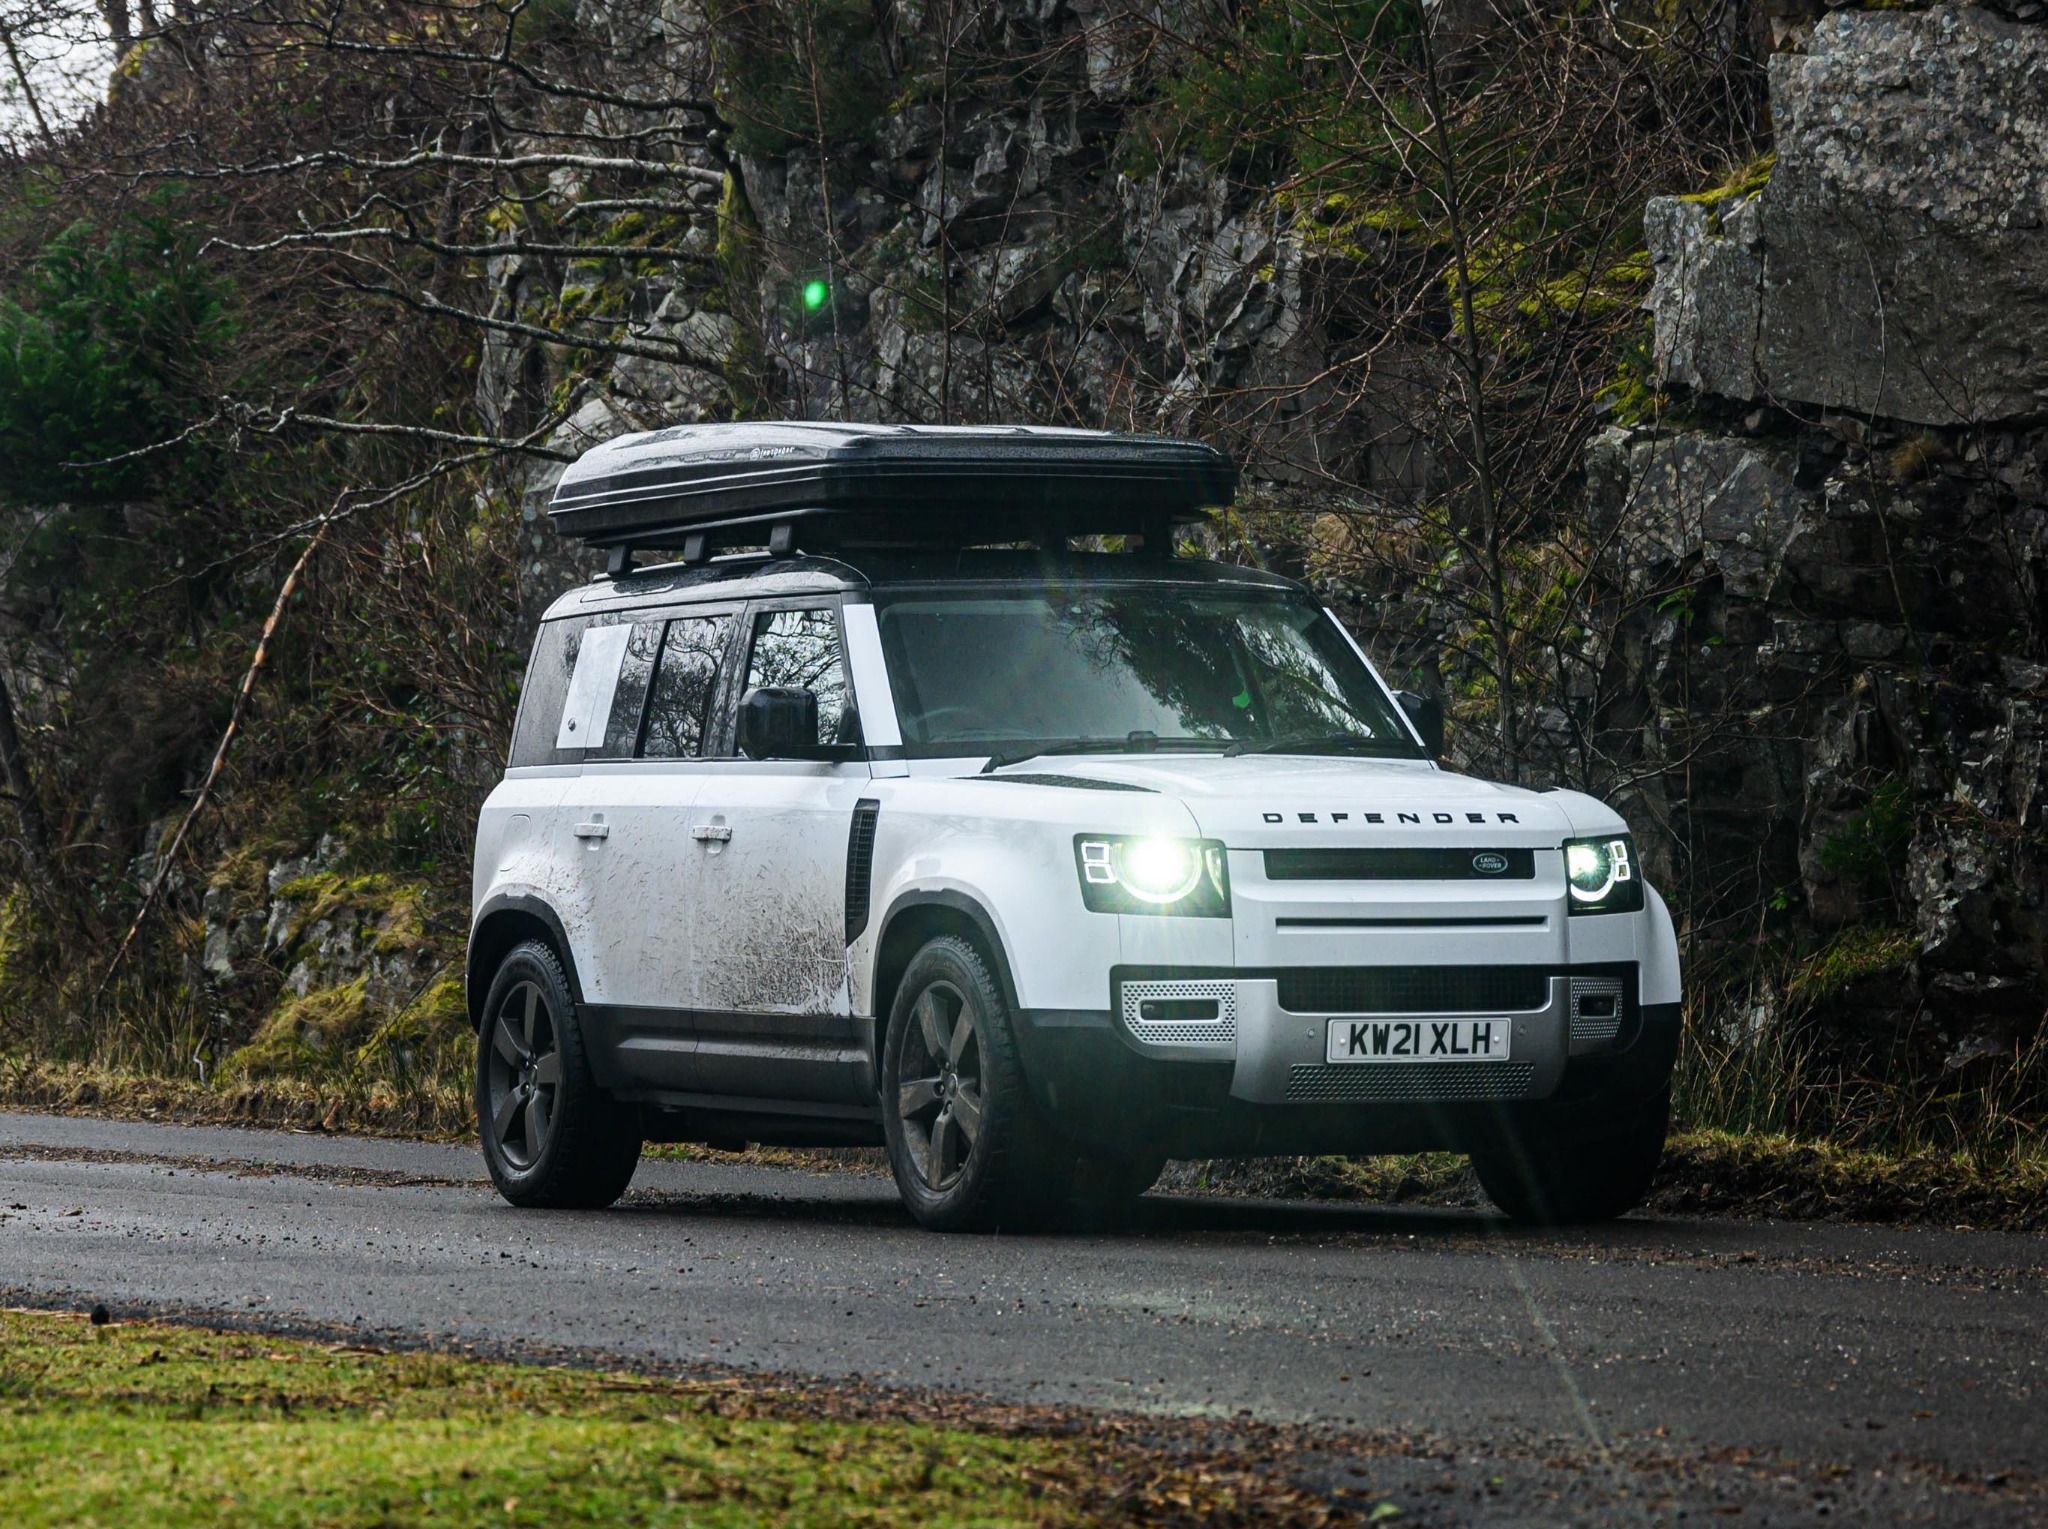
(1122, 874)
(1601, 875)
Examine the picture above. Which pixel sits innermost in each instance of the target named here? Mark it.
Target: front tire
(1105, 1190)
(967, 1151)
(1543, 1174)
(551, 1137)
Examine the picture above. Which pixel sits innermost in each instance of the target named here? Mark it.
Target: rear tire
(551, 1137)
(1541, 1174)
(967, 1149)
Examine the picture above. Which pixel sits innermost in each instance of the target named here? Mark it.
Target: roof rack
(695, 489)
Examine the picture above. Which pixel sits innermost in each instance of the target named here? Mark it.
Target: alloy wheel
(939, 1094)
(524, 1073)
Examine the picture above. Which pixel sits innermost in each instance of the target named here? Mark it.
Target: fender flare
(957, 902)
(476, 983)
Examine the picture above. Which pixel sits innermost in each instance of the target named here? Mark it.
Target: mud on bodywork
(777, 950)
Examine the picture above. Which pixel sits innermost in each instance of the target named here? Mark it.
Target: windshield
(1139, 666)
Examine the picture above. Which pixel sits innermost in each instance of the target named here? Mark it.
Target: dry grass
(1778, 1080)
(431, 1111)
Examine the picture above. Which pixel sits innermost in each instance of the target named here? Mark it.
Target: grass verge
(76, 1088)
(1705, 1172)
(149, 1422)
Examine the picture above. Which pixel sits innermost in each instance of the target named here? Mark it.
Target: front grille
(1409, 1083)
(1219, 997)
(1409, 864)
(1413, 989)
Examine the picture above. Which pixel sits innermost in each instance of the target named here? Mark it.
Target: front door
(774, 1014)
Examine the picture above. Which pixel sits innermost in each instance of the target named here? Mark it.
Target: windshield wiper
(1323, 743)
(1138, 742)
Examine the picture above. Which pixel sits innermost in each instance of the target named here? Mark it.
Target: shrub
(96, 349)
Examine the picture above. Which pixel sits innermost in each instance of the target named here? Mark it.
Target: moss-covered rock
(305, 1035)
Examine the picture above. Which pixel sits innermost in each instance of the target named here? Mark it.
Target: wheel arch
(915, 919)
(505, 921)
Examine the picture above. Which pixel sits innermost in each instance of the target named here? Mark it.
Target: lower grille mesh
(1597, 1007)
(1410, 1083)
(1413, 989)
(1219, 1031)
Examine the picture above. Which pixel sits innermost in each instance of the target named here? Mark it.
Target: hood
(1259, 800)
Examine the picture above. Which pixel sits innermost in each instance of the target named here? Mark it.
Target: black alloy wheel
(551, 1136)
(938, 1086)
(968, 1150)
(523, 1070)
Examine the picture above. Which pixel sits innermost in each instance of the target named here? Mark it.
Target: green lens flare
(815, 293)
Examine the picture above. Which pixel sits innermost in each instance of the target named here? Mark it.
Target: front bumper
(1213, 1062)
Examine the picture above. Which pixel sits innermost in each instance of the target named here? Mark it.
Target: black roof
(758, 577)
(903, 484)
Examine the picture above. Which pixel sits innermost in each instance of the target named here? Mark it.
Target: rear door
(626, 845)
(772, 995)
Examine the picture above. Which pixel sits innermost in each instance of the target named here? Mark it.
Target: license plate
(1418, 1040)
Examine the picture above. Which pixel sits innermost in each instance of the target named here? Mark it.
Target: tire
(1103, 1192)
(967, 1149)
(551, 1137)
(1540, 1174)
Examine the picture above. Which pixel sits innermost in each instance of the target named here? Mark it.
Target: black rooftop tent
(694, 487)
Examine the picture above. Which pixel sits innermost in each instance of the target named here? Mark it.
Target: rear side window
(685, 684)
(616, 688)
(629, 695)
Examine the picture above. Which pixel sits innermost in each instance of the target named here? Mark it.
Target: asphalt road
(1648, 1372)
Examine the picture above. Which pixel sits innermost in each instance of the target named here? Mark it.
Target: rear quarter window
(547, 686)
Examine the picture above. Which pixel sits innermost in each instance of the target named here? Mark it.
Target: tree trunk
(115, 13)
(35, 833)
(25, 85)
(1471, 359)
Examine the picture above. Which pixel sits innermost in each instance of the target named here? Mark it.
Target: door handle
(716, 833)
(593, 831)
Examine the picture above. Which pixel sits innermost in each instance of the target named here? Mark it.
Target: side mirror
(778, 723)
(1427, 713)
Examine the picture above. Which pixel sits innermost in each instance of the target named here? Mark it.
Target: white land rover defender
(913, 825)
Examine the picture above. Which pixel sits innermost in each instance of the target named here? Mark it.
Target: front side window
(1159, 665)
(799, 650)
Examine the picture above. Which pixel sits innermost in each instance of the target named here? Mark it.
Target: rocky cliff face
(1897, 263)
(1832, 703)
(1863, 529)
(985, 259)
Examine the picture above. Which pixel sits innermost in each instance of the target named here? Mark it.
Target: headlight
(1601, 875)
(1121, 874)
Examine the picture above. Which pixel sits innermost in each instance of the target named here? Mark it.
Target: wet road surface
(1648, 1372)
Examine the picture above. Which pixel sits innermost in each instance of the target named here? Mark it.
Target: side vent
(860, 866)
